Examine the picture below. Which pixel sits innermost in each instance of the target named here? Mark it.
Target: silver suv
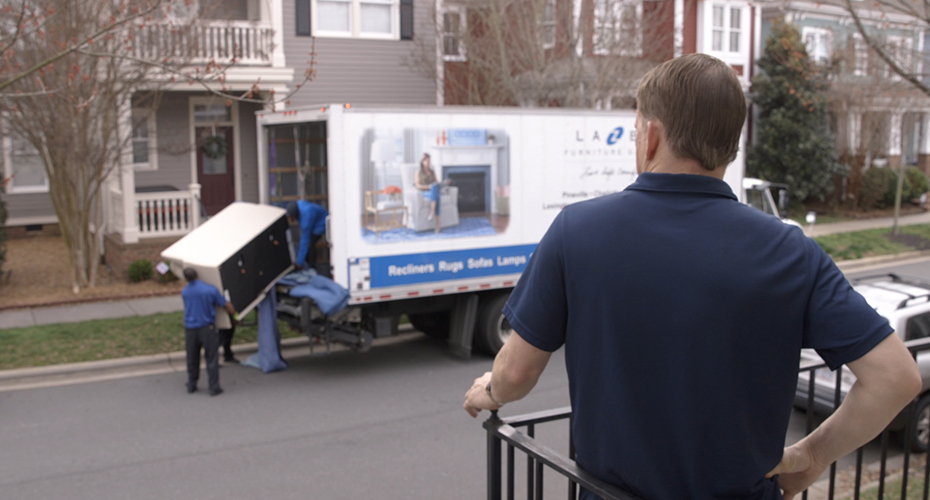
(905, 302)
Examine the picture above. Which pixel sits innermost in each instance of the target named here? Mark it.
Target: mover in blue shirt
(200, 301)
(312, 221)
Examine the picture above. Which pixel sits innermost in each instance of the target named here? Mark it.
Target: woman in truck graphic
(427, 182)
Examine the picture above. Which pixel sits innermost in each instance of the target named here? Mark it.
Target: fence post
(494, 457)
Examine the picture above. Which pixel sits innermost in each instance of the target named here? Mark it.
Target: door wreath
(215, 147)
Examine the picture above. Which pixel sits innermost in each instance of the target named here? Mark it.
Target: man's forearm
(514, 377)
(872, 402)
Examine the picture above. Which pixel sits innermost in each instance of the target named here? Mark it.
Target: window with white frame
(357, 18)
(547, 24)
(819, 44)
(617, 27)
(900, 50)
(143, 139)
(453, 26)
(860, 55)
(726, 29)
(22, 164)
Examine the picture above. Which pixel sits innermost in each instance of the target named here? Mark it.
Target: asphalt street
(386, 424)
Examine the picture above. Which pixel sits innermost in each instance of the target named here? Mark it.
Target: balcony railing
(540, 457)
(249, 42)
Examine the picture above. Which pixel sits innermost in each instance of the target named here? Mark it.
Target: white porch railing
(172, 213)
(156, 215)
(251, 43)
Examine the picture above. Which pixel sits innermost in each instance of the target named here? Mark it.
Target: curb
(850, 265)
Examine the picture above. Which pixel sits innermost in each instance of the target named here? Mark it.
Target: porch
(154, 212)
(249, 43)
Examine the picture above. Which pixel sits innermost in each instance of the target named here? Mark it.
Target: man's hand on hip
(797, 470)
(476, 399)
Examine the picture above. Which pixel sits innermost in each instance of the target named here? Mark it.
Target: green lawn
(105, 339)
(915, 489)
(859, 244)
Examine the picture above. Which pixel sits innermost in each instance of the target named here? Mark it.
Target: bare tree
(876, 20)
(865, 92)
(70, 72)
(569, 53)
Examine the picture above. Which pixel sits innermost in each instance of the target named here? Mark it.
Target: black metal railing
(540, 457)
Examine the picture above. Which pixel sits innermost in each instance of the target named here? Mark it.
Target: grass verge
(105, 339)
(915, 489)
(859, 244)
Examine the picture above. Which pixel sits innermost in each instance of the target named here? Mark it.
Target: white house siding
(360, 71)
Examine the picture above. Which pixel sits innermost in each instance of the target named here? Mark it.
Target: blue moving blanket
(268, 358)
(329, 296)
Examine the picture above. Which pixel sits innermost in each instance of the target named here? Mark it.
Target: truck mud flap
(462, 325)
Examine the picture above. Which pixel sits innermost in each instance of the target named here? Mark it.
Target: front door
(216, 167)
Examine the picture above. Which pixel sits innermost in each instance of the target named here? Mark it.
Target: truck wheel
(434, 325)
(493, 329)
(921, 425)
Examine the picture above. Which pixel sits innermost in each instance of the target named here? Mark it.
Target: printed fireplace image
(420, 184)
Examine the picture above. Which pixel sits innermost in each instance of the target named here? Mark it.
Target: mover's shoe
(191, 388)
(217, 392)
(231, 360)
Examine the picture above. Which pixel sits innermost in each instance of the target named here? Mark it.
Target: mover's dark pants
(226, 335)
(208, 338)
(311, 252)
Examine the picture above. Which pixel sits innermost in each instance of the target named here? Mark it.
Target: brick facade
(119, 255)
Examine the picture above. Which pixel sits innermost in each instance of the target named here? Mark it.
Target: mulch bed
(36, 274)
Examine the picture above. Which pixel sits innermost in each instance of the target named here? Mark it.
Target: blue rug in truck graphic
(398, 270)
(467, 227)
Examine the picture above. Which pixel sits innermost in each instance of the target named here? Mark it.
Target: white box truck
(505, 174)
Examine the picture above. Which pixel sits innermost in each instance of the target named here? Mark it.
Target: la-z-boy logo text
(612, 138)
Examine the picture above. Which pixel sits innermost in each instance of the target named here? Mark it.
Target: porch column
(894, 138)
(854, 131)
(129, 225)
(923, 152)
(195, 209)
(277, 23)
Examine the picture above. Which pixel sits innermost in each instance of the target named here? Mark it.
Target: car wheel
(493, 328)
(921, 436)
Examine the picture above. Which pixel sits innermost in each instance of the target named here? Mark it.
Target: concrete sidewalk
(861, 225)
(75, 313)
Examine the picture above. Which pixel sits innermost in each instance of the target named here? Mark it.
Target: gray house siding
(361, 71)
(249, 151)
(173, 144)
(28, 206)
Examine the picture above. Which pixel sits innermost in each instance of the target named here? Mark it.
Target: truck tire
(434, 325)
(921, 436)
(493, 329)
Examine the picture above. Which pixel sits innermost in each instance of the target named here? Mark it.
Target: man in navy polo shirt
(683, 312)
(200, 301)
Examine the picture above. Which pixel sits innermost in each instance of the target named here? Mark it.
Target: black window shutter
(406, 19)
(302, 13)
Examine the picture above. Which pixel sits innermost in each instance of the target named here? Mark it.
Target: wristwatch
(487, 390)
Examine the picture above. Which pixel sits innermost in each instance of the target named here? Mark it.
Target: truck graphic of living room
(434, 183)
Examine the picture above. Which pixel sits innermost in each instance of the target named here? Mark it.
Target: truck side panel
(511, 172)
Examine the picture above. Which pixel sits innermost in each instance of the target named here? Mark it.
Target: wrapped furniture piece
(243, 250)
